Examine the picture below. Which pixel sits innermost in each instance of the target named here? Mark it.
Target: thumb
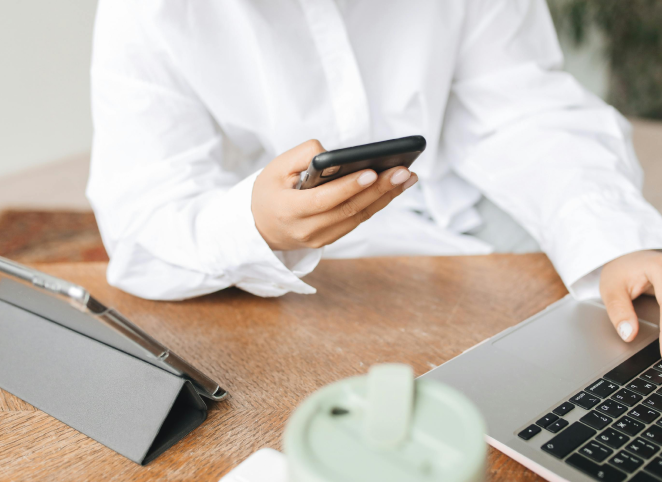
(620, 309)
(298, 158)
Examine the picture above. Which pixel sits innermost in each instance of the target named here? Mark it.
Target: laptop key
(645, 414)
(652, 376)
(636, 364)
(568, 440)
(626, 461)
(654, 401)
(563, 409)
(557, 426)
(627, 397)
(611, 407)
(596, 420)
(596, 451)
(602, 388)
(642, 448)
(547, 420)
(654, 434)
(643, 477)
(612, 438)
(655, 467)
(628, 425)
(641, 386)
(529, 432)
(604, 473)
(585, 400)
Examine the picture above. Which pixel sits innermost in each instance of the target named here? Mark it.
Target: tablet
(73, 307)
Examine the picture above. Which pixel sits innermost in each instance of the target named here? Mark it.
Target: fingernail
(625, 330)
(400, 176)
(409, 183)
(366, 178)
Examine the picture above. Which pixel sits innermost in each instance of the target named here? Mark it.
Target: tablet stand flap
(128, 405)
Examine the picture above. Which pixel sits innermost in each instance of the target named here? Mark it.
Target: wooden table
(271, 353)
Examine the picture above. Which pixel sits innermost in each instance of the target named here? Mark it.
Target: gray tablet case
(132, 406)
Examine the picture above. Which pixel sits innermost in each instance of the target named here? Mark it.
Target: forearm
(193, 246)
(575, 189)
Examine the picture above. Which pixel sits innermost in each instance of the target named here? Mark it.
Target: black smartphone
(378, 156)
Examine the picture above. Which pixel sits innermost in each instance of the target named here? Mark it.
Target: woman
(191, 99)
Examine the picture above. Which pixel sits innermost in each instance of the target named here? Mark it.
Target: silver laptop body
(527, 371)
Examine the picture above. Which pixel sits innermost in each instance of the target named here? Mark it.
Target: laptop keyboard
(619, 435)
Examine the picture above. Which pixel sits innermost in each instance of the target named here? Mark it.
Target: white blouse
(192, 98)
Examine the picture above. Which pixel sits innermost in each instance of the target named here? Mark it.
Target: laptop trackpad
(572, 342)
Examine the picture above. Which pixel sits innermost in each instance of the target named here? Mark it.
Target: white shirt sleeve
(175, 222)
(555, 157)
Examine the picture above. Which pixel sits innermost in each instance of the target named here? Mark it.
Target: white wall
(45, 48)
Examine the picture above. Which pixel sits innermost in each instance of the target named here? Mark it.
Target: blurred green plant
(633, 34)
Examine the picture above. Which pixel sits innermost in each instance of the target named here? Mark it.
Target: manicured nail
(625, 330)
(409, 183)
(366, 178)
(400, 176)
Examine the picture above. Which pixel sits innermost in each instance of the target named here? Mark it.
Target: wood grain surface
(271, 353)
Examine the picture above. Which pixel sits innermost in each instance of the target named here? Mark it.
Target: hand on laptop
(626, 278)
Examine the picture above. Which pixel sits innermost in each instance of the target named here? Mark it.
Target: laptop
(563, 395)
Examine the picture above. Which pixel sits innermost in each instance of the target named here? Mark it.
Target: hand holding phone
(288, 218)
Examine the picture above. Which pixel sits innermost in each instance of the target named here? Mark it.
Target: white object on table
(265, 465)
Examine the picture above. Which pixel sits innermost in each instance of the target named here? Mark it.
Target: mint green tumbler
(386, 427)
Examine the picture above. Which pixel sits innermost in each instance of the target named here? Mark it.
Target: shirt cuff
(595, 229)
(231, 244)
